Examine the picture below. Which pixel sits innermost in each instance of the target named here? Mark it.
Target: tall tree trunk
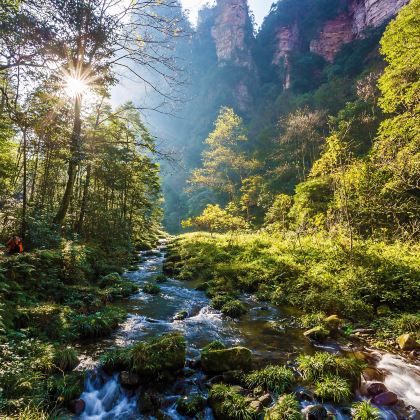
(25, 180)
(73, 163)
(83, 206)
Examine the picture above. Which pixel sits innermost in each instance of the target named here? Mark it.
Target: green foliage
(229, 404)
(333, 388)
(214, 345)
(363, 410)
(117, 359)
(216, 219)
(234, 308)
(66, 358)
(272, 378)
(286, 408)
(160, 355)
(323, 364)
(191, 406)
(151, 288)
(98, 324)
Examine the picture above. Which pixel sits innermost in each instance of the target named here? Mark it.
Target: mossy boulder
(225, 359)
(333, 323)
(181, 315)
(151, 289)
(318, 333)
(407, 342)
(191, 405)
(234, 309)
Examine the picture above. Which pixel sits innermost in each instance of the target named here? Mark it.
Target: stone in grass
(318, 333)
(191, 405)
(333, 322)
(151, 289)
(223, 360)
(407, 342)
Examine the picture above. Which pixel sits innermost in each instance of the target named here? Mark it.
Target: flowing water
(270, 332)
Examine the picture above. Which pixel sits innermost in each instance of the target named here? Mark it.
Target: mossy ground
(48, 300)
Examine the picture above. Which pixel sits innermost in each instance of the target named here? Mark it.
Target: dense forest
(239, 239)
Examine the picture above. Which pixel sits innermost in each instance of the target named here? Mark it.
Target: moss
(191, 405)
(226, 359)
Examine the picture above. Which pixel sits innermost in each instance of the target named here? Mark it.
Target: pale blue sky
(259, 7)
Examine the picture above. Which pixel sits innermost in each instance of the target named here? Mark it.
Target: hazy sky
(259, 7)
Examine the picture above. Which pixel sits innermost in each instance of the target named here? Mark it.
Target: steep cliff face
(334, 34)
(231, 32)
(344, 28)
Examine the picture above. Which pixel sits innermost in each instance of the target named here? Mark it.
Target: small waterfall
(401, 378)
(106, 400)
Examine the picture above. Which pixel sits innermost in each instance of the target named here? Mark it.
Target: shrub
(117, 359)
(151, 289)
(160, 355)
(65, 388)
(333, 388)
(66, 359)
(228, 404)
(219, 301)
(287, 408)
(191, 406)
(99, 324)
(234, 309)
(322, 363)
(161, 278)
(363, 410)
(271, 378)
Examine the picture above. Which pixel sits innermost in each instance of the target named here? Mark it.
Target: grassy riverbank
(51, 299)
(376, 284)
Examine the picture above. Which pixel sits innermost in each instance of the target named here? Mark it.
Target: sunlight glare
(75, 87)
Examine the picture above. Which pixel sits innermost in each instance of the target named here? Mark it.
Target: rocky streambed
(266, 335)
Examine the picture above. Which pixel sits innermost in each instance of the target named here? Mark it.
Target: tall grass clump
(333, 388)
(363, 410)
(271, 378)
(287, 408)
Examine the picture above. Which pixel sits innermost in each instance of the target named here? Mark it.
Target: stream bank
(271, 342)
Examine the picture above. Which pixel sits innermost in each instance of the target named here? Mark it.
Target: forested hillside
(239, 240)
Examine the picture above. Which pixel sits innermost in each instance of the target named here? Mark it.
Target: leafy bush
(151, 289)
(98, 324)
(363, 410)
(333, 388)
(117, 359)
(271, 378)
(66, 359)
(228, 404)
(234, 309)
(286, 408)
(220, 300)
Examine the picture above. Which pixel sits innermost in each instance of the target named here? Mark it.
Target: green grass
(234, 309)
(228, 404)
(322, 363)
(287, 408)
(363, 410)
(151, 288)
(315, 273)
(271, 378)
(333, 388)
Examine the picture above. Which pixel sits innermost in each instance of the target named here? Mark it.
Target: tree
(277, 214)
(224, 164)
(396, 151)
(216, 219)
